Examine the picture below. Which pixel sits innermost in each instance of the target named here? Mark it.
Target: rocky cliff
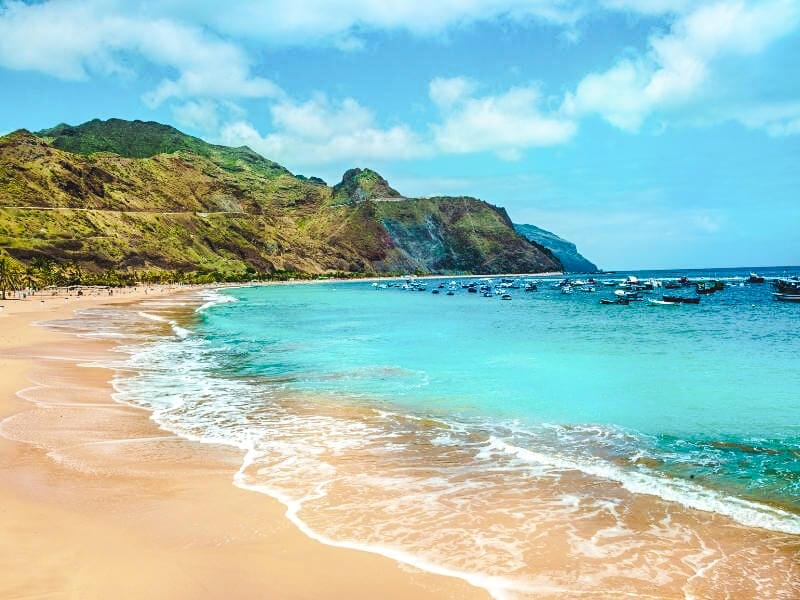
(566, 252)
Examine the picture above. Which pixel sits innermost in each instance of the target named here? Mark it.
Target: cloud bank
(204, 56)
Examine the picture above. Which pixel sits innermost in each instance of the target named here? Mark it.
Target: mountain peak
(358, 185)
(145, 139)
(132, 139)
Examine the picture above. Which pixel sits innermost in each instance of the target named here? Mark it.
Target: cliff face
(129, 194)
(458, 234)
(566, 252)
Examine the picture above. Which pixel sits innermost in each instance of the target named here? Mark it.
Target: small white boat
(662, 303)
(567, 289)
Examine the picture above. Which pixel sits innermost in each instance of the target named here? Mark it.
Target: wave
(745, 512)
(179, 331)
(214, 298)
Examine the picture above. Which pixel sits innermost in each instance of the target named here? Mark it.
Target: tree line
(42, 273)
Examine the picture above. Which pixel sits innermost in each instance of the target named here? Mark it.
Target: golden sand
(97, 502)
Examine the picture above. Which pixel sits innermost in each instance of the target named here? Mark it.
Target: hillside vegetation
(143, 197)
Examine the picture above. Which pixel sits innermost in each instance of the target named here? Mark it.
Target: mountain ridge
(140, 196)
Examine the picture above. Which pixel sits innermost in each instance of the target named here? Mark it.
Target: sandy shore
(97, 502)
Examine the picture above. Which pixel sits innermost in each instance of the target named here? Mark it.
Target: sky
(652, 133)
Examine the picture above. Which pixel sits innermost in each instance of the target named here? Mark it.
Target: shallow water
(539, 446)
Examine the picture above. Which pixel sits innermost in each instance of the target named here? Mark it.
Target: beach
(98, 502)
(249, 453)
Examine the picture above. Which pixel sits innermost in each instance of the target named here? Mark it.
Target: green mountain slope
(143, 196)
(566, 252)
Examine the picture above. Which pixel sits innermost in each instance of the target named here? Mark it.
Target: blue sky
(653, 133)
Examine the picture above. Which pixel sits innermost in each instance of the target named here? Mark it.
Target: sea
(546, 445)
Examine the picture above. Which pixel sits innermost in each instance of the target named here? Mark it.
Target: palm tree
(32, 279)
(9, 275)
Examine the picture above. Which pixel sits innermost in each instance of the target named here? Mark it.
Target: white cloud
(447, 91)
(777, 119)
(75, 28)
(506, 124)
(197, 114)
(651, 7)
(289, 21)
(71, 40)
(678, 65)
(319, 131)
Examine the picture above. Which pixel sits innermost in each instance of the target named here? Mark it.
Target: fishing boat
(505, 297)
(755, 278)
(788, 290)
(681, 299)
(436, 291)
(531, 287)
(786, 297)
(789, 286)
(451, 293)
(619, 300)
(709, 287)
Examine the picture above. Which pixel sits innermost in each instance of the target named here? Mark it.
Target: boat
(531, 287)
(709, 287)
(672, 285)
(487, 294)
(681, 299)
(567, 289)
(755, 278)
(561, 284)
(505, 297)
(652, 302)
(789, 286)
(786, 297)
(451, 293)
(619, 300)
(472, 290)
(436, 291)
(628, 295)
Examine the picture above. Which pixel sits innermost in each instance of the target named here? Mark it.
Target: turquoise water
(538, 447)
(708, 392)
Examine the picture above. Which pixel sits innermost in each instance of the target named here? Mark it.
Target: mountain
(143, 196)
(566, 252)
(358, 185)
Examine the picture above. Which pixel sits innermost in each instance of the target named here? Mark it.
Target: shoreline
(112, 456)
(122, 490)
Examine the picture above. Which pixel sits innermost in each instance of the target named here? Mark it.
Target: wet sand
(96, 501)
